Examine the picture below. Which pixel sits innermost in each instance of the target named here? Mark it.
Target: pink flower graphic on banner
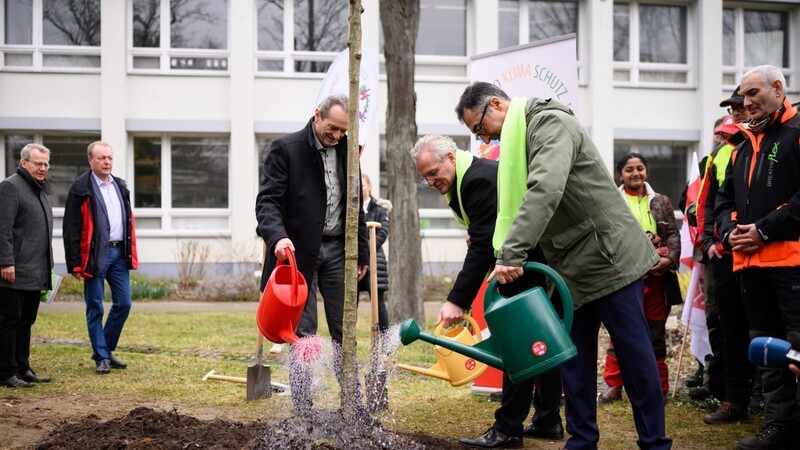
(363, 95)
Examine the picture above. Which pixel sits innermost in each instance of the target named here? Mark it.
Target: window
(667, 165)
(319, 28)
(181, 183)
(508, 14)
(179, 36)
(442, 28)
(651, 44)
(524, 21)
(67, 159)
(441, 47)
(751, 38)
(434, 213)
(50, 35)
(270, 35)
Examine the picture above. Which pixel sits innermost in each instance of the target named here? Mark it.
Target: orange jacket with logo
(764, 189)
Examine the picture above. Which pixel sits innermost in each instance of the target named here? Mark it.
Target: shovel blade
(258, 382)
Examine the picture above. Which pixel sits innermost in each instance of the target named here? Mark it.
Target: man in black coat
(26, 261)
(470, 185)
(301, 206)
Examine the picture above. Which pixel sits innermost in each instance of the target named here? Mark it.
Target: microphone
(772, 352)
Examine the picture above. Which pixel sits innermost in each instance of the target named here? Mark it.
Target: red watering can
(282, 303)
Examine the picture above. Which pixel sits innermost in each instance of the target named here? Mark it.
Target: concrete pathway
(431, 308)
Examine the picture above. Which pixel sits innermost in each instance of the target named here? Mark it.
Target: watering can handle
(293, 265)
(476, 329)
(566, 298)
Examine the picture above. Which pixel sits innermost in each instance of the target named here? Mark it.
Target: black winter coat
(377, 213)
(291, 200)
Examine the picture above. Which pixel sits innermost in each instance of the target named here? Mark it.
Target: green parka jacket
(573, 211)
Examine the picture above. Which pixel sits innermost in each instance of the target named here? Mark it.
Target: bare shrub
(193, 259)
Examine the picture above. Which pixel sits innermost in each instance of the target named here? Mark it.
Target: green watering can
(528, 338)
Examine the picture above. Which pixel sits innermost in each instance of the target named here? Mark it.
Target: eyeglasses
(39, 165)
(732, 109)
(431, 176)
(479, 129)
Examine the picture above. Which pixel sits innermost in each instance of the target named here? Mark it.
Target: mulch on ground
(145, 428)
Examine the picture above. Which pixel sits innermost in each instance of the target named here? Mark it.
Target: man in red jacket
(100, 246)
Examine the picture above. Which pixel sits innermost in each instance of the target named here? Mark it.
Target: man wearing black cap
(735, 106)
(725, 308)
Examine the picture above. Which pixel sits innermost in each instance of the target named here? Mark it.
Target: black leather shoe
(769, 438)
(728, 413)
(554, 432)
(492, 439)
(116, 363)
(699, 393)
(31, 377)
(15, 382)
(103, 367)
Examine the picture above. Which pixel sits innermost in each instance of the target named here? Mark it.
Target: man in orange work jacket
(758, 216)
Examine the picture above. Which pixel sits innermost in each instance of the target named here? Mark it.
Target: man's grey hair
(91, 147)
(438, 147)
(25, 153)
(334, 99)
(768, 75)
(475, 97)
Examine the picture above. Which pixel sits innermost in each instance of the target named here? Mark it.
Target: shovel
(377, 394)
(258, 379)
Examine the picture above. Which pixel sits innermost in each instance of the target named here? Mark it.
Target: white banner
(544, 69)
(336, 82)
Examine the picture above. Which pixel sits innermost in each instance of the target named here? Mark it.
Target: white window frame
(739, 68)
(427, 66)
(166, 213)
(38, 50)
(524, 34)
(288, 55)
(166, 53)
(634, 67)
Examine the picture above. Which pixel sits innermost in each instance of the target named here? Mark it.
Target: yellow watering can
(451, 366)
(528, 337)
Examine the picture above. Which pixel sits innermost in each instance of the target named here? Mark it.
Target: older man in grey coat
(26, 261)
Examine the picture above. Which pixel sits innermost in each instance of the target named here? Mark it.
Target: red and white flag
(694, 307)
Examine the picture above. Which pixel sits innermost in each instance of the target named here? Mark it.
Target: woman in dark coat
(377, 211)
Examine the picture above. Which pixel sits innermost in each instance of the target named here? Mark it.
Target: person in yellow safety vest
(470, 186)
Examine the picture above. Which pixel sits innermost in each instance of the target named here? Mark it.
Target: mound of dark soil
(144, 428)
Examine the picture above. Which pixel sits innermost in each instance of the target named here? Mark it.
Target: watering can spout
(436, 371)
(483, 351)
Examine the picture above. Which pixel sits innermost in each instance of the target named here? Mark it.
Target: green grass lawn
(168, 353)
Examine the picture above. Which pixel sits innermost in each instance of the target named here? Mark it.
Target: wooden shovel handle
(373, 269)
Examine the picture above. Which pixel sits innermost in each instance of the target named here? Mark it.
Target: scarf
(512, 174)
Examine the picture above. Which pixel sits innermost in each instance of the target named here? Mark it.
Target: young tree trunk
(400, 22)
(350, 383)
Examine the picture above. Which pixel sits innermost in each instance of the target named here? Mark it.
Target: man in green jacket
(554, 190)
